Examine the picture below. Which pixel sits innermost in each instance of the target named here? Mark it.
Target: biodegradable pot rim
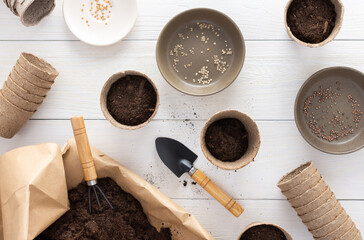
(327, 206)
(303, 185)
(339, 9)
(309, 195)
(296, 174)
(105, 91)
(32, 61)
(338, 230)
(288, 236)
(16, 92)
(22, 8)
(18, 100)
(303, 209)
(253, 136)
(16, 107)
(31, 75)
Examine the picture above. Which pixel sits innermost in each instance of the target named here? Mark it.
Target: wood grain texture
(257, 19)
(282, 150)
(83, 148)
(216, 192)
(265, 89)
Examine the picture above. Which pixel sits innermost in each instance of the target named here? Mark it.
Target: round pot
(288, 236)
(339, 8)
(253, 140)
(105, 91)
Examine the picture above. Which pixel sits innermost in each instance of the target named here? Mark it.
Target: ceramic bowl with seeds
(100, 22)
(329, 110)
(200, 51)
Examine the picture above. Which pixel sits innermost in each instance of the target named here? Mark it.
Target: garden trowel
(179, 159)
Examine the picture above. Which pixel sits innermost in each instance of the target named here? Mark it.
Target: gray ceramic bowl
(184, 29)
(348, 81)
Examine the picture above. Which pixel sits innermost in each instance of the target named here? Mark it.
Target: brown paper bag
(33, 190)
(158, 207)
(41, 167)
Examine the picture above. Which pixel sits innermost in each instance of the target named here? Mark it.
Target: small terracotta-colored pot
(253, 140)
(288, 236)
(339, 9)
(105, 91)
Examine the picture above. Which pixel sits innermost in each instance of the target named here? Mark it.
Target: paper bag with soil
(160, 210)
(33, 190)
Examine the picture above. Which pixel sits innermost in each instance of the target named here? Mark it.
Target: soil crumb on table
(126, 222)
(227, 139)
(131, 100)
(263, 232)
(311, 21)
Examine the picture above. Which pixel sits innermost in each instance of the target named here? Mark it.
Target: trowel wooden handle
(228, 202)
(83, 148)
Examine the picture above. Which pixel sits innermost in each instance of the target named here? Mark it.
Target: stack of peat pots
(23, 92)
(317, 205)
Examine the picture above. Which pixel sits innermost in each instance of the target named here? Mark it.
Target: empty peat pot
(230, 139)
(313, 23)
(264, 231)
(129, 100)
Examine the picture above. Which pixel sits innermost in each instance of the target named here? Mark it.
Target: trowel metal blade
(172, 153)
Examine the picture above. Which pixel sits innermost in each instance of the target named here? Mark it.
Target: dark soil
(311, 21)
(227, 139)
(131, 100)
(263, 232)
(126, 222)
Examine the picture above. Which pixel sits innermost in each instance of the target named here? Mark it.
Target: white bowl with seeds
(100, 22)
(200, 51)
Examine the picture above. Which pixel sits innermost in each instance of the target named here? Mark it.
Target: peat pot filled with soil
(230, 140)
(129, 100)
(264, 231)
(313, 23)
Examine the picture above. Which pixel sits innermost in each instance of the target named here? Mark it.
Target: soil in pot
(131, 100)
(227, 139)
(127, 221)
(311, 21)
(263, 232)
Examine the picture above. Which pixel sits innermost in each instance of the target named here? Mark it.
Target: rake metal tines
(94, 188)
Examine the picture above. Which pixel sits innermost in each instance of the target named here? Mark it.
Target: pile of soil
(227, 139)
(263, 232)
(311, 21)
(126, 222)
(131, 100)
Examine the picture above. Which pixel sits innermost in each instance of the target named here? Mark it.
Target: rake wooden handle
(228, 202)
(83, 148)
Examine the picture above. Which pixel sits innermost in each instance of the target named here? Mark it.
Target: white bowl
(118, 20)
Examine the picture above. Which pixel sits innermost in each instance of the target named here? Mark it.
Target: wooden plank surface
(258, 20)
(266, 88)
(275, 68)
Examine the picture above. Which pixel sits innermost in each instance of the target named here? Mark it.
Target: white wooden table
(274, 69)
